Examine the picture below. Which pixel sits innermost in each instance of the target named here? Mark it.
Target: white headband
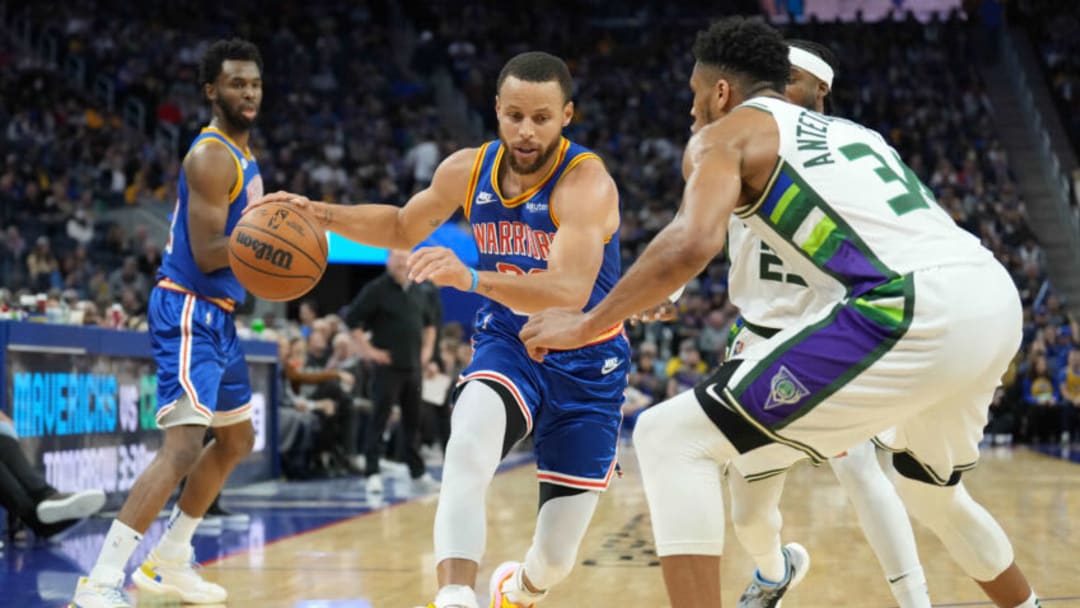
(805, 60)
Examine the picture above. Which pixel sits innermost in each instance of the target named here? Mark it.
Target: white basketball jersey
(842, 210)
(765, 290)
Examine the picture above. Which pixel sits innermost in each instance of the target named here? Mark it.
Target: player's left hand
(554, 329)
(440, 266)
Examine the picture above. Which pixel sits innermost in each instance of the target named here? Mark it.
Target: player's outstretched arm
(212, 173)
(678, 253)
(682, 249)
(388, 225)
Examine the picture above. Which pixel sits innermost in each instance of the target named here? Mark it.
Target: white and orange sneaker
(177, 578)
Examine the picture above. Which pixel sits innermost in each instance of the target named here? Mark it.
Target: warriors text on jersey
(178, 269)
(514, 235)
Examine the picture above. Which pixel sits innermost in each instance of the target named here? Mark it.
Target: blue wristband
(475, 280)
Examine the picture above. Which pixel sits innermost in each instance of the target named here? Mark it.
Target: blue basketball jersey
(514, 235)
(178, 264)
(572, 401)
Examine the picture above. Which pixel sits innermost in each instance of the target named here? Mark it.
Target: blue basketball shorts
(572, 403)
(202, 374)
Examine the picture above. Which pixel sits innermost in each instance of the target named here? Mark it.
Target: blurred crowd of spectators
(1054, 28)
(342, 120)
(347, 118)
(326, 394)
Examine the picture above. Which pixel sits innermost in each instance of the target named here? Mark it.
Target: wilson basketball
(277, 253)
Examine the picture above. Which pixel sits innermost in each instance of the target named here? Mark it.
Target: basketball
(277, 253)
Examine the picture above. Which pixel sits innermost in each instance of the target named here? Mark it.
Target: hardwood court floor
(384, 559)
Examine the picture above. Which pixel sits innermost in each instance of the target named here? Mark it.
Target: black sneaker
(57, 531)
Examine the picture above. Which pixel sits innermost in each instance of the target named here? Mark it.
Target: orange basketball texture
(277, 252)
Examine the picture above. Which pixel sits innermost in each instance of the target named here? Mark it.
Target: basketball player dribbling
(896, 351)
(770, 297)
(545, 213)
(202, 374)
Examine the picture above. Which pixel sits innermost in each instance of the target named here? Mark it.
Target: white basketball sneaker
(374, 484)
(177, 578)
(760, 594)
(506, 581)
(425, 484)
(92, 594)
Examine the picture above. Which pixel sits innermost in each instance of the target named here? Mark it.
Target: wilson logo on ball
(266, 251)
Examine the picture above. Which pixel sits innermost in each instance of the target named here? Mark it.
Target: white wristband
(678, 294)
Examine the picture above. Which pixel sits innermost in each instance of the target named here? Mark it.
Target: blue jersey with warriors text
(572, 402)
(514, 235)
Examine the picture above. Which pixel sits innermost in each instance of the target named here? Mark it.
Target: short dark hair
(823, 52)
(216, 54)
(537, 66)
(750, 50)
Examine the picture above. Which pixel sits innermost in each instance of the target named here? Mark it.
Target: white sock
(456, 596)
(772, 567)
(119, 544)
(175, 544)
(910, 590)
(1032, 602)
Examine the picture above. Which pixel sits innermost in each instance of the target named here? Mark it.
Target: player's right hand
(346, 379)
(380, 356)
(554, 328)
(661, 312)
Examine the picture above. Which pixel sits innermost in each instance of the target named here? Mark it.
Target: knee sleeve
(972, 536)
(472, 455)
(560, 528)
(679, 450)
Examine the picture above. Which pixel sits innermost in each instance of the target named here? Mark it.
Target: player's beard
(703, 118)
(802, 94)
(234, 118)
(536, 165)
(807, 99)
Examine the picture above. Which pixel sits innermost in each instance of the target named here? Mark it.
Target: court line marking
(512, 467)
(1043, 600)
